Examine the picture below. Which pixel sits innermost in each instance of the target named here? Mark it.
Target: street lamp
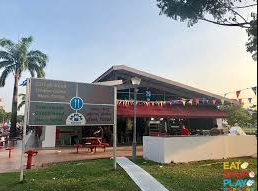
(136, 82)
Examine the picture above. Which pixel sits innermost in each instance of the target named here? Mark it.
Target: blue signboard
(76, 103)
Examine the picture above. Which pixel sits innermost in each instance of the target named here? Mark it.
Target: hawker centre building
(162, 106)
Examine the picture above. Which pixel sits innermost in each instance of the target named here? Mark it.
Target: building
(162, 106)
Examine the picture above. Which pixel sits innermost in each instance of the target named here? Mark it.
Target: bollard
(30, 154)
(10, 151)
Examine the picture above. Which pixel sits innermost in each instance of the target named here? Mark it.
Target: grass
(98, 175)
(192, 176)
(94, 175)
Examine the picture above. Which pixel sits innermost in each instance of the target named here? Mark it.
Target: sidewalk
(143, 179)
(57, 155)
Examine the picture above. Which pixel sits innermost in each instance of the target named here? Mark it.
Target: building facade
(162, 107)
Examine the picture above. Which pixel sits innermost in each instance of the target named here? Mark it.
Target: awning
(174, 111)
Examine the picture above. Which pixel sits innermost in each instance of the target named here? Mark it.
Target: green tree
(253, 120)
(237, 114)
(220, 12)
(15, 58)
(4, 116)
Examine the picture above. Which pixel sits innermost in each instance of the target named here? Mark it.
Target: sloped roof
(151, 77)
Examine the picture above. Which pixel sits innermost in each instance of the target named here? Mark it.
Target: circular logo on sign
(76, 103)
(75, 119)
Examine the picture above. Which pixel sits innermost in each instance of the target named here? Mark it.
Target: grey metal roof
(159, 79)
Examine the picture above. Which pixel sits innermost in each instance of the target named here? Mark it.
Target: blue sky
(84, 38)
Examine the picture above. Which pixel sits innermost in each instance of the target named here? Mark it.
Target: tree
(229, 13)
(4, 116)
(237, 114)
(15, 58)
(253, 120)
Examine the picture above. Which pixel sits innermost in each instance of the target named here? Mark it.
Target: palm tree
(15, 58)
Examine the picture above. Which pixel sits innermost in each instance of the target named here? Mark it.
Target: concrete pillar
(49, 136)
(220, 123)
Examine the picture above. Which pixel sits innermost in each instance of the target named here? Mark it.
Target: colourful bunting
(127, 103)
(238, 93)
(254, 90)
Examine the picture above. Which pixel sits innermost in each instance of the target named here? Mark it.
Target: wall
(187, 149)
(219, 122)
(49, 137)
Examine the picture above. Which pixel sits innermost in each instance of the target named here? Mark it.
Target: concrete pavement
(58, 155)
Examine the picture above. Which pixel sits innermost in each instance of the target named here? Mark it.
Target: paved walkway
(143, 179)
(57, 155)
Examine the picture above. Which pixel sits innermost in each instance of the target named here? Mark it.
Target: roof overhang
(168, 83)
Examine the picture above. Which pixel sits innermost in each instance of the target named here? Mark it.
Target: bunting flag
(238, 93)
(254, 90)
(182, 101)
(214, 101)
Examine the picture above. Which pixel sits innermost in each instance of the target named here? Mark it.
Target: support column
(49, 136)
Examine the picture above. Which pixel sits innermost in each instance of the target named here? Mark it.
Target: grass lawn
(192, 176)
(97, 175)
(94, 175)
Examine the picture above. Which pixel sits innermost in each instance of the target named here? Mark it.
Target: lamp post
(135, 82)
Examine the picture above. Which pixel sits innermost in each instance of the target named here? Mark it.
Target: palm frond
(5, 55)
(21, 104)
(26, 41)
(22, 96)
(5, 43)
(23, 46)
(34, 68)
(37, 56)
(4, 75)
(23, 100)
(6, 63)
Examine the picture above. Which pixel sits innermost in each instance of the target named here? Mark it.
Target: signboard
(63, 103)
